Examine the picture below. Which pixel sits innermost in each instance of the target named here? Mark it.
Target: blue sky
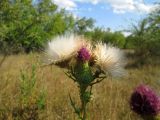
(116, 14)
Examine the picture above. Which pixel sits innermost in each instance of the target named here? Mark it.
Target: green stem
(83, 110)
(83, 102)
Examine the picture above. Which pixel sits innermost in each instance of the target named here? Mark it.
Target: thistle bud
(82, 68)
(83, 54)
(145, 102)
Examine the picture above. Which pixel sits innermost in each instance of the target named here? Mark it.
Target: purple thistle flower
(144, 101)
(83, 54)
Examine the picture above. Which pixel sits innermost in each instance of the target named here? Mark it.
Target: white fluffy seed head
(110, 59)
(62, 48)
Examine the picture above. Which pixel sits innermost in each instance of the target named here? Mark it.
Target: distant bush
(106, 36)
(145, 37)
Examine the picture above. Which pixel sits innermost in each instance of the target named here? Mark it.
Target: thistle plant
(145, 102)
(86, 64)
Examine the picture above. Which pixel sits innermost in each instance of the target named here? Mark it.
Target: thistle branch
(70, 76)
(76, 110)
(100, 79)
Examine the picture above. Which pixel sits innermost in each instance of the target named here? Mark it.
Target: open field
(110, 100)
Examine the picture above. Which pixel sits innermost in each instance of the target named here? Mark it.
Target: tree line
(26, 25)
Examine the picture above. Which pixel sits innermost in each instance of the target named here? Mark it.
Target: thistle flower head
(144, 101)
(62, 48)
(110, 59)
(84, 54)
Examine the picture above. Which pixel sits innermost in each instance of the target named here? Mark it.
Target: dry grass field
(110, 100)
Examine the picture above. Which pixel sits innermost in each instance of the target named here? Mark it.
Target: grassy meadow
(110, 100)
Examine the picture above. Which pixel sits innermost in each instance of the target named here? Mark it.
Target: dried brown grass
(110, 100)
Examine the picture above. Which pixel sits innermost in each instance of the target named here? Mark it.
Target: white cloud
(67, 4)
(118, 6)
(126, 33)
(123, 6)
(89, 1)
(95, 1)
(141, 7)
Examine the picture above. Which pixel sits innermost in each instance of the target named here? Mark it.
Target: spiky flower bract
(110, 59)
(82, 68)
(144, 101)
